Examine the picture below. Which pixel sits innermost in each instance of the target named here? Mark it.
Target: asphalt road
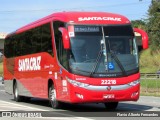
(83, 111)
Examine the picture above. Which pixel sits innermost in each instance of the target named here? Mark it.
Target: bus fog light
(79, 95)
(134, 94)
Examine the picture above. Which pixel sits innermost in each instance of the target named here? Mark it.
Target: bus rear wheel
(111, 105)
(17, 98)
(52, 98)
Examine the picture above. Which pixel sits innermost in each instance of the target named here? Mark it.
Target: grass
(149, 61)
(150, 87)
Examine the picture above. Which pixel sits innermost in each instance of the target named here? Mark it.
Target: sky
(17, 13)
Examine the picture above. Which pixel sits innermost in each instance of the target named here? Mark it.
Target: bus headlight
(134, 83)
(76, 83)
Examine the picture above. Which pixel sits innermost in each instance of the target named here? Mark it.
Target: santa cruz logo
(29, 64)
(99, 18)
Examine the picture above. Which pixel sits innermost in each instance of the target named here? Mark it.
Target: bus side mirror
(65, 38)
(144, 37)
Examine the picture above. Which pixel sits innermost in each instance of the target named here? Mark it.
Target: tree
(138, 24)
(153, 25)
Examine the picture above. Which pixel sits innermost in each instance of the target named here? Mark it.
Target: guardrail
(150, 76)
(150, 84)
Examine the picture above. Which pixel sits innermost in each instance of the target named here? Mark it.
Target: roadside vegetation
(149, 61)
(150, 58)
(150, 87)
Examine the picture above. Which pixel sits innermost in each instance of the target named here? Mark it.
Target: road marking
(2, 90)
(18, 105)
(154, 109)
(22, 105)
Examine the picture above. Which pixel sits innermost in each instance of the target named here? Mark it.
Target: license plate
(109, 96)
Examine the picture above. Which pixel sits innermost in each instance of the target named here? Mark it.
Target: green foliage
(150, 87)
(149, 61)
(138, 24)
(153, 25)
(150, 83)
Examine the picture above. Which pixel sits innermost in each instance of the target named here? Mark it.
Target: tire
(52, 98)
(25, 99)
(111, 105)
(17, 98)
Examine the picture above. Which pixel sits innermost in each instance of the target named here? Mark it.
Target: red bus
(74, 57)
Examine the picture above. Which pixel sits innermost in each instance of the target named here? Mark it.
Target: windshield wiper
(118, 62)
(116, 59)
(96, 63)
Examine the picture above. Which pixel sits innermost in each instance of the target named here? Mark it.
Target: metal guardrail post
(150, 76)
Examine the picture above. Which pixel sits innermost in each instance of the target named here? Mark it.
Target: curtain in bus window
(36, 40)
(18, 42)
(46, 43)
(28, 43)
(9, 47)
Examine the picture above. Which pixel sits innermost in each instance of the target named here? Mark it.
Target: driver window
(61, 52)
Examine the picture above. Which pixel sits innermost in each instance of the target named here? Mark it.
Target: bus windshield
(103, 51)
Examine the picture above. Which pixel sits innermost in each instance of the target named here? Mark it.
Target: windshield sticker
(71, 34)
(86, 29)
(110, 66)
(71, 31)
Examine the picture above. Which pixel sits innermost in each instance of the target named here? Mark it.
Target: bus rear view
(94, 60)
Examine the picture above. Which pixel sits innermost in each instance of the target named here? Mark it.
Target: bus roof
(79, 18)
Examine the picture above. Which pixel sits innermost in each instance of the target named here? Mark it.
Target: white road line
(12, 107)
(154, 109)
(22, 105)
(9, 103)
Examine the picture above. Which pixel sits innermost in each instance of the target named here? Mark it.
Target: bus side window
(35, 40)
(46, 40)
(9, 47)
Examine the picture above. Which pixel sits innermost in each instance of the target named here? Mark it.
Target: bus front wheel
(111, 105)
(52, 98)
(17, 98)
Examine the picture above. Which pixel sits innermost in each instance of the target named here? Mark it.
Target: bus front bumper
(104, 94)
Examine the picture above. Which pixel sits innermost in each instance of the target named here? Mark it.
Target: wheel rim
(53, 95)
(16, 92)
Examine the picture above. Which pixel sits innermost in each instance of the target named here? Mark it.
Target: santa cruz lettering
(29, 64)
(99, 18)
